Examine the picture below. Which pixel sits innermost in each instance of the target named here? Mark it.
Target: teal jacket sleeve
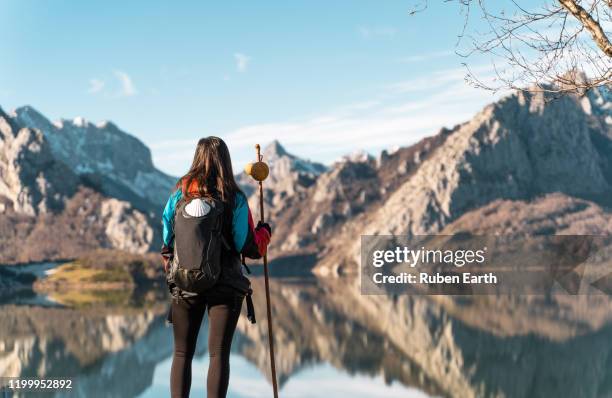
(240, 221)
(168, 223)
(248, 240)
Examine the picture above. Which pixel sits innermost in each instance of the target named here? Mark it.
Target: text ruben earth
(423, 256)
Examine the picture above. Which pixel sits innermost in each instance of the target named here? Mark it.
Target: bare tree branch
(599, 36)
(557, 46)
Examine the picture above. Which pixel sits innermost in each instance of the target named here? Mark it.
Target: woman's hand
(265, 226)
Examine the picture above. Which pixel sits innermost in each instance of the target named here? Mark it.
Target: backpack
(198, 243)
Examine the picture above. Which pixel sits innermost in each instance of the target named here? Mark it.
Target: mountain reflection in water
(331, 341)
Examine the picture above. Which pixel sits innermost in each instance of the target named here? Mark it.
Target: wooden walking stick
(259, 171)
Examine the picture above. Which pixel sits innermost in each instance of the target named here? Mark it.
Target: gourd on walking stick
(259, 171)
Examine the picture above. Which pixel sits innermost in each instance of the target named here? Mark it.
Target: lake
(330, 341)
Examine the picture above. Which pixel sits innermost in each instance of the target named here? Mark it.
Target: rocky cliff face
(70, 187)
(88, 221)
(33, 181)
(311, 216)
(289, 174)
(520, 149)
(120, 163)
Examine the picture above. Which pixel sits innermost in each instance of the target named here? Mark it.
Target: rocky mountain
(33, 180)
(71, 186)
(520, 149)
(117, 162)
(524, 146)
(529, 164)
(525, 153)
(289, 174)
(310, 215)
(291, 179)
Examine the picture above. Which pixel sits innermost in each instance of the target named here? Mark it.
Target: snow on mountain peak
(359, 156)
(79, 121)
(102, 149)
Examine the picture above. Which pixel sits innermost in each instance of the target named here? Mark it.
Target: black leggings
(187, 317)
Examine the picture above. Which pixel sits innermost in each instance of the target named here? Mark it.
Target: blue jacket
(250, 241)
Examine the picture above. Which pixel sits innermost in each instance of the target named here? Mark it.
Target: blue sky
(326, 78)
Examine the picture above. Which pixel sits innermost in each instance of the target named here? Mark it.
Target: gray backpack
(198, 243)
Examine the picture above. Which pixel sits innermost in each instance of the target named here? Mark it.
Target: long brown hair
(210, 174)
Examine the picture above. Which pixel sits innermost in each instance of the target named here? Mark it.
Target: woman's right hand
(265, 226)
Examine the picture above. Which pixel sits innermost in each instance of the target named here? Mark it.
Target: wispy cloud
(127, 86)
(370, 32)
(95, 86)
(441, 78)
(399, 115)
(426, 57)
(398, 118)
(242, 61)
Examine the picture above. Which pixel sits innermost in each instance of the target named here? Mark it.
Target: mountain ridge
(58, 203)
(521, 148)
(102, 149)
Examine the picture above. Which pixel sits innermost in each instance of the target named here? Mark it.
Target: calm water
(330, 341)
